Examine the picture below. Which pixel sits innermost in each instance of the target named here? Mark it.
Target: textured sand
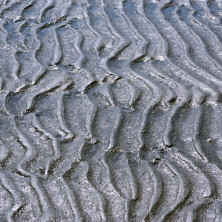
(110, 110)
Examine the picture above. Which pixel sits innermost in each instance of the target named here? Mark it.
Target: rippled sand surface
(110, 110)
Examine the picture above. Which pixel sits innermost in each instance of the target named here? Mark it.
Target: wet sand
(110, 110)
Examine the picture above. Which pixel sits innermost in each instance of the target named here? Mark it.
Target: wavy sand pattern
(111, 110)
